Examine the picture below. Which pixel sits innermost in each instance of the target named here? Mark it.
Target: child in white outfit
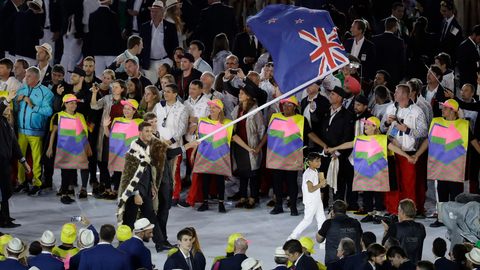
(311, 196)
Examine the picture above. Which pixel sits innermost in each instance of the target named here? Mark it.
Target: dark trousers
(165, 193)
(5, 212)
(345, 186)
(92, 161)
(290, 177)
(447, 190)
(116, 177)
(131, 210)
(254, 186)
(68, 177)
(219, 180)
(48, 175)
(104, 174)
(368, 197)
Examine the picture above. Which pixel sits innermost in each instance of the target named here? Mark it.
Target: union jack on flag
(303, 43)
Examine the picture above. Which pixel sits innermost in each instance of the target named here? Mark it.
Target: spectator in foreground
(397, 256)
(300, 261)
(375, 257)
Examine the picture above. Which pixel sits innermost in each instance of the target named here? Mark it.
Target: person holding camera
(409, 233)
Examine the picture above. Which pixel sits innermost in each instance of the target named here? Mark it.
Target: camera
(354, 65)
(233, 71)
(390, 219)
(96, 85)
(76, 219)
(60, 82)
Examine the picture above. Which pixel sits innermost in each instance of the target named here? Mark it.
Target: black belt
(48, 27)
(159, 59)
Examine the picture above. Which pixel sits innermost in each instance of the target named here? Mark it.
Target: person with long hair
(199, 261)
(177, 62)
(105, 87)
(134, 89)
(112, 108)
(119, 145)
(419, 50)
(172, 14)
(163, 70)
(249, 133)
(221, 49)
(151, 97)
(218, 159)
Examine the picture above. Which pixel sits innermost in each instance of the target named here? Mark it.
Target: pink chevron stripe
(449, 169)
(64, 160)
(443, 173)
(289, 157)
(213, 162)
(460, 160)
(453, 172)
(117, 163)
(68, 155)
(378, 183)
(222, 167)
(292, 162)
(222, 162)
(436, 175)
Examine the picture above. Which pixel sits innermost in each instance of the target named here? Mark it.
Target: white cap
(279, 252)
(143, 224)
(251, 264)
(47, 239)
(86, 238)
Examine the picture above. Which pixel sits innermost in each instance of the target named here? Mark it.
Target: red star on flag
(298, 21)
(272, 21)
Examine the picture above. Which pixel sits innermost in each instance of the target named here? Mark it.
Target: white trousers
(311, 210)
(151, 73)
(47, 38)
(71, 53)
(101, 63)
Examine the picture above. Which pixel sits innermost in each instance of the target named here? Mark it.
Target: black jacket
(306, 263)
(8, 147)
(445, 264)
(242, 47)
(55, 15)
(195, 75)
(48, 75)
(170, 41)
(84, 95)
(339, 131)
(261, 94)
(216, 19)
(104, 27)
(468, 58)
(366, 55)
(28, 32)
(72, 7)
(390, 56)
(440, 97)
(411, 235)
(7, 12)
(143, 16)
(450, 42)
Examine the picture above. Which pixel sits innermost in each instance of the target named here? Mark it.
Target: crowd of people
(128, 91)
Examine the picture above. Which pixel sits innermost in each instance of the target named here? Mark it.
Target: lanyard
(120, 99)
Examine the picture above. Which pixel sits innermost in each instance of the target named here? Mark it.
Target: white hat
(86, 238)
(47, 48)
(39, 3)
(474, 256)
(171, 3)
(251, 264)
(156, 4)
(279, 252)
(47, 239)
(33, 268)
(143, 224)
(15, 246)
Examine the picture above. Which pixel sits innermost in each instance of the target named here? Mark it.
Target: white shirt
(357, 46)
(431, 94)
(308, 111)
(201, 65)
(46, 8)
(43, 71)
(310, 197)
(127, 55)
(158, 49)
(197, 108)
(136, 7)
(449, 21)
(10, 85)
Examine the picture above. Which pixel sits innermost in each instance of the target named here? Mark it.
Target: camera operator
(409, 233)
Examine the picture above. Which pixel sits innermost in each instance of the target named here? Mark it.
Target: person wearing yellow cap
(4, 239)
(212, 159)
(69, 234)
(9, 148)
(229, 249)
(285, 136)
(123, 132)
(374, 173)
(307, 246)
(72, 148)
(447, 144)
(123, 234)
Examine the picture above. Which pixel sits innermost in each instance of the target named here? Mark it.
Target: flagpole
(289, 93)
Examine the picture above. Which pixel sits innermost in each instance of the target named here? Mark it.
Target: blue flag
(303, 43)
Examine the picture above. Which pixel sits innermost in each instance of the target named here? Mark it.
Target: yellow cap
(4, 240)
(124, 233)
(451, 103)
(217, 103)
(373, 120)
(291, 99)
(173, 250)
(231, 241)
(307, 243)
(69, 233)
(130, 102)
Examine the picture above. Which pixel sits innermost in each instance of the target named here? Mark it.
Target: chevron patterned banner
(213, 155)
(71, 142)
(122, 134)
(285, 142)
(447, 149)
(370, 163)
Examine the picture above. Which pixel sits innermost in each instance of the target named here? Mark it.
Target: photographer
(409, 233)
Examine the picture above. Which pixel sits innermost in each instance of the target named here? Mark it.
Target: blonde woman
(151, 97)
(172, 14)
